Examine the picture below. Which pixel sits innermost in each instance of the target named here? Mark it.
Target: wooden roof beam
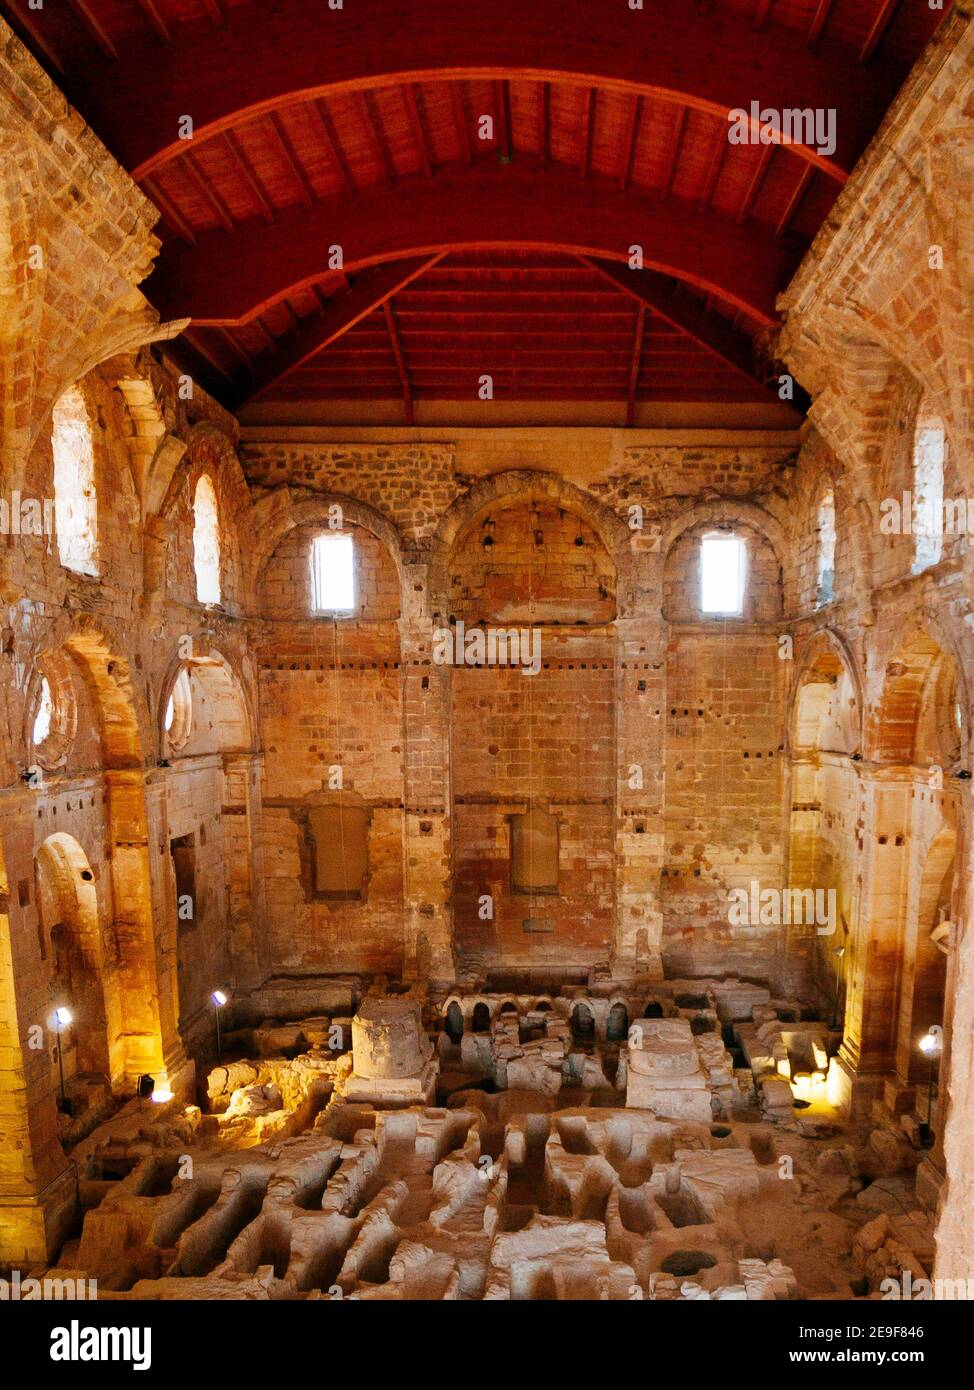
(95, 27)
(155, 20)
(878, 28)
(367, 292)
(227, 278)
(407, 395)
(257, 189)
(708, 330)
(637, 354)
(819, 20)
(268, 57)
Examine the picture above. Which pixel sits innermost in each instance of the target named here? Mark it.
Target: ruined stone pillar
(145, 932)
(871, 963)
(640, 693)
(37, 1187)
(427, 793)
(241, 809)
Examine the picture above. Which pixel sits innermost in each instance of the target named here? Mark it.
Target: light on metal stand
(930, 1046)
(62, 1018)
(839, 953)
(219, 1000)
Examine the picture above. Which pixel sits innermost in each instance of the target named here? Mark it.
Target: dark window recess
(534, 853)
(340, 863)
(183, 851)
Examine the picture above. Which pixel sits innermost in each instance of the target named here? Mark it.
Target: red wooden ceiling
(466, 256)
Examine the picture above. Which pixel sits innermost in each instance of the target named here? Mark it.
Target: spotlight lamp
(62, 1017)
(219, 998)
(931, 1045)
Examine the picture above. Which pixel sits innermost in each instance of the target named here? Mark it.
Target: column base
(929, 1183)
(852, 1092)
(33, 1230)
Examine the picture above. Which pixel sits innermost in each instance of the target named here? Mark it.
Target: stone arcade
(626, 960)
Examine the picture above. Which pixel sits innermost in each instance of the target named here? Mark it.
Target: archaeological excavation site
(487, 655)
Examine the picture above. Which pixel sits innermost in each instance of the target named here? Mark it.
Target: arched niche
(515, 487)
(96, 717)
(923, 983)
(530, 560)
(921, 715)
(70, 940)
(826, 705)
(210, 712)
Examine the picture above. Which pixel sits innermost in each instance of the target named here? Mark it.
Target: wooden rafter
(717, 157)
(878, 28)
(419, 130)
(757, 179)
(667, 53)
(656, 293)
(502, 117)
(819, 20)
(286, 145)
(333, 144)
(156, 22)
(373, 121)
(588, 132)
(673, 154)
(546, 123)
(637, 353)
(23, 17)
(761, 11)
(169, 210)
(521, 206)
(460, 118)
(251, 177)
(369, 291)
(95, 28)
(207, 192)
(393, 331)
(630, 141)
(794, 202)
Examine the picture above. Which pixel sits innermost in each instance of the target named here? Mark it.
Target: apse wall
(655, 815)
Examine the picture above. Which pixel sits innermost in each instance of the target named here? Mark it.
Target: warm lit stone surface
(435, 1079)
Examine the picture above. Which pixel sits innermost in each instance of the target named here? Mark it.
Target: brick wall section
(412, 484)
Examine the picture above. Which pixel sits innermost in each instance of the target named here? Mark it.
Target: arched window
(929, 454)
(44, 715)
(177, 719)
(723, 558)
(825, 577)
(52, 713)
(74, 484)
(332, 573)
(206, 542)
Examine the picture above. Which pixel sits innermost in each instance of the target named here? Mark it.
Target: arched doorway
(481, 1018)
(205, 737)
(583, 1026)
(453, 1025)
(617, 1027)
(925, 961)
(70, 940)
